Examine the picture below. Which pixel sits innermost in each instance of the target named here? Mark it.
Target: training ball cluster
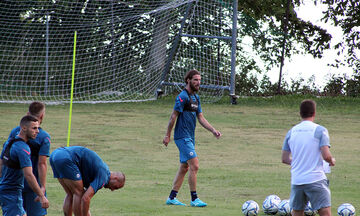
(271, 204)
(284, 208)
(250, 208)
(346, 209)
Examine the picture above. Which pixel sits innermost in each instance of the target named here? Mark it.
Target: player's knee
(194, 167)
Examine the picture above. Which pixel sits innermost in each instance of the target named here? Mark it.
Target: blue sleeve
(286, 146)
(101, 180)
(45, 146)
(14, 132)
(322, 134)
(21, 151)
(199, 105)
(180, 102)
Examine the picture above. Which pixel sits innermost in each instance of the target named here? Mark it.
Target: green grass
(244, 164)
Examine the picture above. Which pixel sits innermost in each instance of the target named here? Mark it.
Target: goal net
(129, 50)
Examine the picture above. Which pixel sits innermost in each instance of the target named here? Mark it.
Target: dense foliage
(263, 21)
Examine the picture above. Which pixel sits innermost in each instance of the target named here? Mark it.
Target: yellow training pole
(72, 91)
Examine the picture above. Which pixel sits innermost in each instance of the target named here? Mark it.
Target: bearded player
(186, 110)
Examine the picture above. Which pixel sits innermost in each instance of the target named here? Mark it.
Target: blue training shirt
(94, 171)
(186, 121)
(39, 146)
(13, 179)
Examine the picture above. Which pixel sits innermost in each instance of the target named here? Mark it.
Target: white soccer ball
(346, 209)
(284, 208)
(250, 208)
(271, 204)
(309, 211)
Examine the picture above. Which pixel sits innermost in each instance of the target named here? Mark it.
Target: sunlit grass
(244, 164)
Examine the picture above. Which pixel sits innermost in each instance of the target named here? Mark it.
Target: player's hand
(217, 134)
(332, 163)
(166, 140)
(43, 201)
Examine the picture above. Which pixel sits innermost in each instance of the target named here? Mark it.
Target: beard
(194, 88)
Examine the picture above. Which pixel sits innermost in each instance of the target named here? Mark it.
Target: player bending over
(81, 172)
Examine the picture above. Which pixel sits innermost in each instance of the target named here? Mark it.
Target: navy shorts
(12, 204)
(186, 148)
(318, 193)
(63, 166)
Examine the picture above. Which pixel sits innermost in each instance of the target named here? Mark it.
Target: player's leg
(298, 200)
(76, 189)
(67, 206)
(69, 176)
(320, 197)
(178, 180)
(325, 211)
(194, 167)
(297, 213)
(183, 146)
(180, 175)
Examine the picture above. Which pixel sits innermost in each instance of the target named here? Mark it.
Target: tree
(268, 16)
(346, 14)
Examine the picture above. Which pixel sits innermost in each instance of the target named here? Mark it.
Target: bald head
(117, 180)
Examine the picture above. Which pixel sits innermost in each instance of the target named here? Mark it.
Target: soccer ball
(270, 204)
(284, 208)
(346, 209)
(309, 211)
(250, 208)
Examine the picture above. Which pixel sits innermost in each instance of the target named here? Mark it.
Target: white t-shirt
(304, 141)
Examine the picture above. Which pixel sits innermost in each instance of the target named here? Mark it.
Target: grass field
(244, 164)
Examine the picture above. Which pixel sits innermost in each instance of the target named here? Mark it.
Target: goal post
(214, 86)
(126, 50)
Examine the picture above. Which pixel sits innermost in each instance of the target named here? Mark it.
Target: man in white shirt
(305, 148)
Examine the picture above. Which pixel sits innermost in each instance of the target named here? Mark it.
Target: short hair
(36, 108)
(121, 176)
(25, 121)
(307, 108)
(190, 74)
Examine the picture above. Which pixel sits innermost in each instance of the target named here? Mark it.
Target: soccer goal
(133, 50)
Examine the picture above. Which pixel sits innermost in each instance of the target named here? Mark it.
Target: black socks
(173, 194)
(193, 195)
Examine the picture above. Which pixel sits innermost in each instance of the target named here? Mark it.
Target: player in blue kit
(40, 151)
(15, 165)
(186, 110)
(81, 172)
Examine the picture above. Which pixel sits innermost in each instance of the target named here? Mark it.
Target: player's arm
(170, 126)
(30, 178)
(42, 169)
(326, 154)
(207, 125)
(286, 157)
(85, 201)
